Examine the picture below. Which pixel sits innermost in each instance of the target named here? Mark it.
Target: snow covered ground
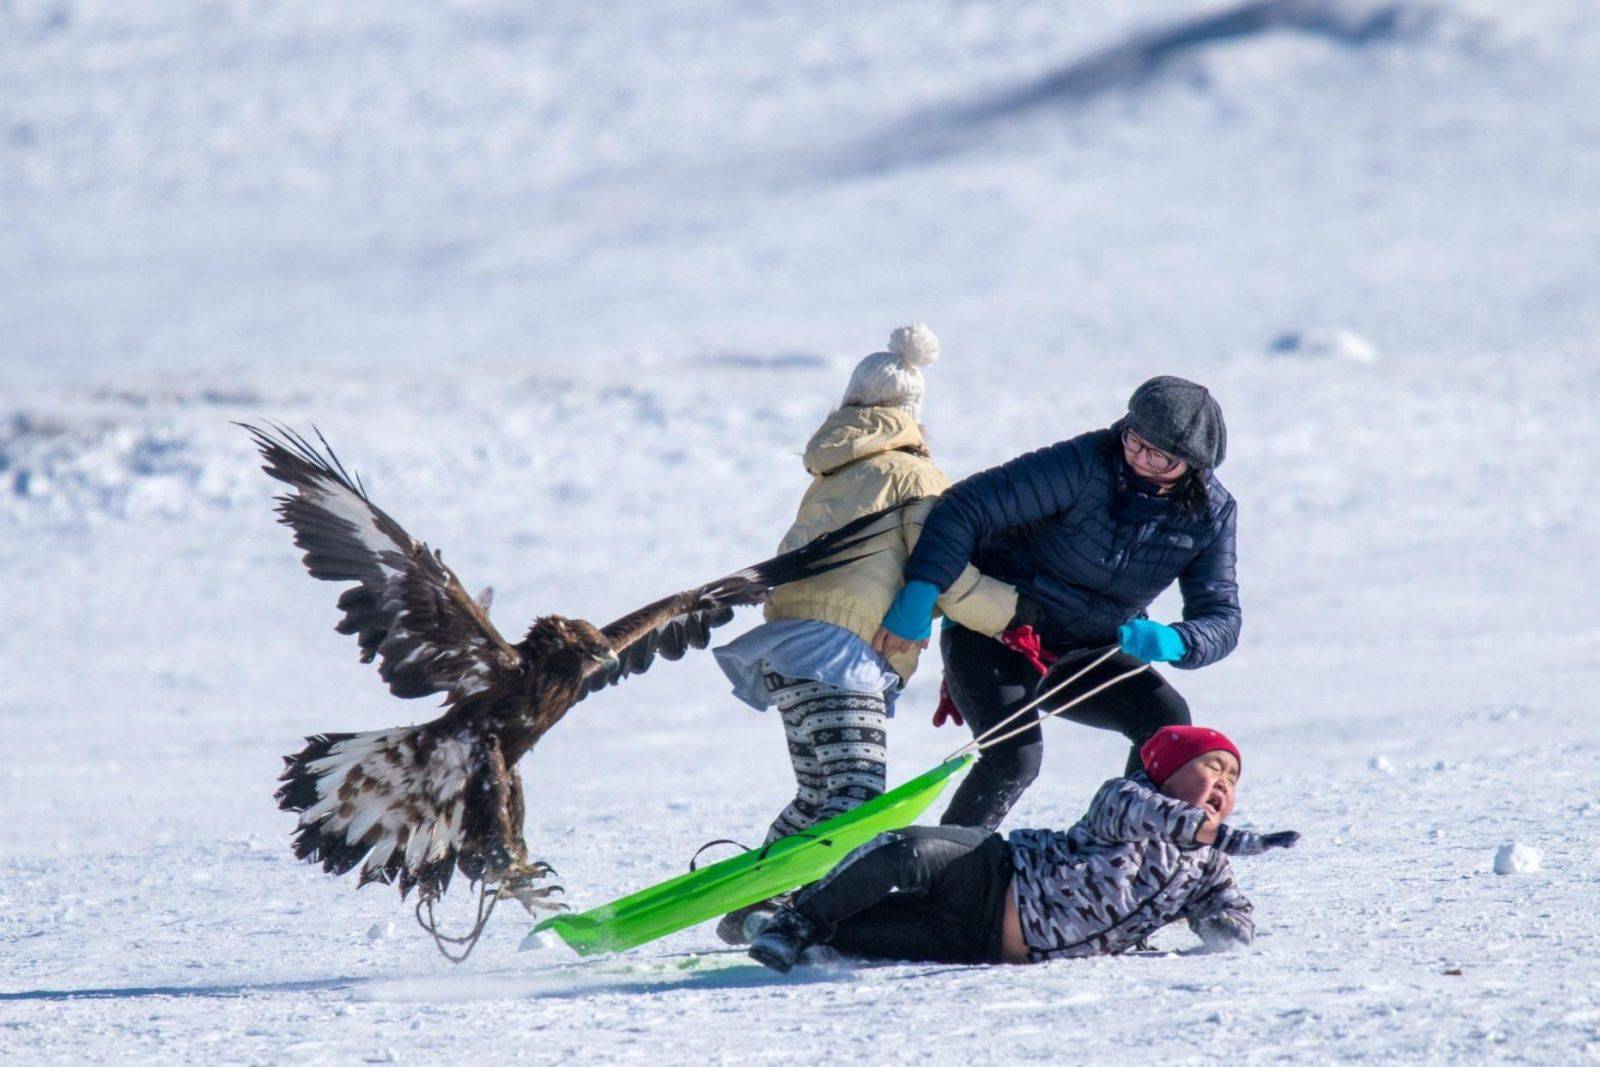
(571, 284)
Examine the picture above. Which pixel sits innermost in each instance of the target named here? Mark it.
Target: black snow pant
(927, 893)
(988, 681)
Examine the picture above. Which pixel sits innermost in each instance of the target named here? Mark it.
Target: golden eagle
(413, 803)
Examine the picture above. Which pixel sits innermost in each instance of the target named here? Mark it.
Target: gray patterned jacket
(1127, 868)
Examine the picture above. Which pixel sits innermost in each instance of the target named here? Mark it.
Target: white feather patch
(416, 807)
(346, 505)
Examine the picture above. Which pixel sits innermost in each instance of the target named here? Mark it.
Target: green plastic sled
(692, 898)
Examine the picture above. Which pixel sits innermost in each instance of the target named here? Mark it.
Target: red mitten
(946, 711)
(1025, 642)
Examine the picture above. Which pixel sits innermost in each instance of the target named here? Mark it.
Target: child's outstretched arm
(1218, 913)
(1249, 843)
(1127, 810)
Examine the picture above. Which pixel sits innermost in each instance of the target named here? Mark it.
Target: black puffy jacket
(1073, 528)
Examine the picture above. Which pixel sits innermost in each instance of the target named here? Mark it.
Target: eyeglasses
(1159, 461)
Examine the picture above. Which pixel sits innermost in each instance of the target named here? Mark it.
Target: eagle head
(572, 643)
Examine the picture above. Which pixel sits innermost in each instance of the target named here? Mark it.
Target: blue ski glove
(910, 617)
(1153, 642)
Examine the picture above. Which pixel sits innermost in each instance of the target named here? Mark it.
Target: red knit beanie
(1172, 746)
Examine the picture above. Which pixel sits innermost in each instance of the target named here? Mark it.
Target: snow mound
(1325, 344)
(1150, 56)
(1516, 858)
(73, 468)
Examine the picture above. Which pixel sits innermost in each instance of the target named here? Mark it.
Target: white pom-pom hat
(894, 378)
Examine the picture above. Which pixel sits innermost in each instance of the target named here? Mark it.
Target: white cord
(1025, 727)
(977, 744)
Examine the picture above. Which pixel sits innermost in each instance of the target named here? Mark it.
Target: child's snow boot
(782, 939)
(739, 926)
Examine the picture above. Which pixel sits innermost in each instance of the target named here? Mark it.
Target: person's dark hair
(1191, 494)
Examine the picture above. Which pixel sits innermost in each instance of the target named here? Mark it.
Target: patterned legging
(838, 745)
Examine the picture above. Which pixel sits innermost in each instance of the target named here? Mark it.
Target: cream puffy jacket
(859, 465)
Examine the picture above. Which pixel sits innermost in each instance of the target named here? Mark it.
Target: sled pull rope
(977, 744)
(987, 738)
(1025, 727)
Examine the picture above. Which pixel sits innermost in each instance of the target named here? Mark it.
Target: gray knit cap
(1182, 418)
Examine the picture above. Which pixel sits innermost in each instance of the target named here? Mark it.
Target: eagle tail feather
(390, 804)
(819, 556)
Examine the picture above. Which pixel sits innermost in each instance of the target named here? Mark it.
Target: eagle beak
(609, 661)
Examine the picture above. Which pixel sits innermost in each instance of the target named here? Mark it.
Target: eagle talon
(519, 882)
(532, 899)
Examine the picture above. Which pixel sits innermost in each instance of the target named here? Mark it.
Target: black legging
(933, 893)
(988, 681)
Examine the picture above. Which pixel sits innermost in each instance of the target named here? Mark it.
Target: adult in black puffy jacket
(1090, 530)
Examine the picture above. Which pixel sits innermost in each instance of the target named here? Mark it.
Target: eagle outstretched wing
(410, 804)
(673, 625)
(407, 609)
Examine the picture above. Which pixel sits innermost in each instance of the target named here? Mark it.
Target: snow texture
(572, 284)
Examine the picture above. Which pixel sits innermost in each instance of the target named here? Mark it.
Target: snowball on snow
(1516, 858)
(539, 941)
(1381, 763)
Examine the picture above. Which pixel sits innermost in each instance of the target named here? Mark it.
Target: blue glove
(910, 617)
(1153, 642)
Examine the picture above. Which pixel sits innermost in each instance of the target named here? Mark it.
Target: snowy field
(571, 285)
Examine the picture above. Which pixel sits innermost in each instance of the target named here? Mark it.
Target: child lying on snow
(1152, 849)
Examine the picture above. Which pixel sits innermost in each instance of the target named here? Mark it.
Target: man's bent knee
(1019, 764)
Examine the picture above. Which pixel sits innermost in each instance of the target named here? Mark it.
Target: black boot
(782, 939)
(736, 927)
